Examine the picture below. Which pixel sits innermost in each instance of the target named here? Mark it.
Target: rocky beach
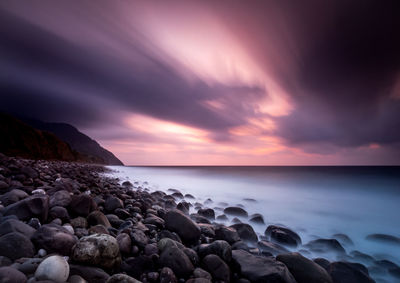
(68, 222)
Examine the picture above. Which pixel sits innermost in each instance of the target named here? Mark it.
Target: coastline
(110, 233)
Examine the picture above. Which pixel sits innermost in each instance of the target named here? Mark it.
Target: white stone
(69, 228)
(54, 268)
(42, 252)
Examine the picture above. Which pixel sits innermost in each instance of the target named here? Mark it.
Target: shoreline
(111, 233)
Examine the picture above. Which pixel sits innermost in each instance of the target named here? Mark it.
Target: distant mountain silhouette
(77, 140)
(34, 139)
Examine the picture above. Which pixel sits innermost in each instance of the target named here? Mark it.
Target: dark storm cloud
(49, 77)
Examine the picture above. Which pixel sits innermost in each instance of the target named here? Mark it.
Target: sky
(211, 82)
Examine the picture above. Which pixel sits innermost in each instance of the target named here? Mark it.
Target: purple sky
(211, 82)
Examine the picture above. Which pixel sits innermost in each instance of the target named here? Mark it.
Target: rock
(227, 234)
(13, 225)
(384, 238)
(34, 206)
(54, 268)
(362, 257)
(282, 235)
(29, 172)
(178, 222)
(124, 243)
(207, 230)
(222, 217)
(76, 279)
(201, 273)
(42, 252)
(79, 222)
(257, 218)
(207, 213)
(325, 245)
(139, 238)
(183, 206)
(13, 197)
(177, 260)
(97, 249)
(245, 232)
(11, 275)
(240, 245)
(98, 229)
(344, 272)
(112, 203)
(166, 243)
(60, 198)
(150, 249)
(236, 211)
(272, 248)
(82, 205)
(91, 274)
(343, 239)
(395, 272)
(303, 269)
(199, 219)
(3, 185)
(260, 269)
(5, 261)
(218, 269)
(34, 223)
(198, 280)
(167, 276)
(322, 262)
(59, 212)
(250, 200)
(155, 220)
(15, 245)
(219, 247)
(189, 196)
(98, 218)
(122, 278)
(54, 239)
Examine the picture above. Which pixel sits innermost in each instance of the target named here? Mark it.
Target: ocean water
(316, 202)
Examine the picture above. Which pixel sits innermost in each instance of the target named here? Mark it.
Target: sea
(314, 201)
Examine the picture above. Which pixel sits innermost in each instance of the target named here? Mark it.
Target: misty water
(316, 202)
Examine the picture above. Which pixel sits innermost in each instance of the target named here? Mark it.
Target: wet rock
(344, 272)
(34, 206)
(167, 276)
(236, 211)
(303, 269)
(27, 265)
(155, 220)
(98, 229)
(201, 273)
(362, 257)
(222, 217)
(384, 238)
(5, 261)
(245, 232)
(13, 225)
(15, 245)
(199, 219)
(54, 268)
(322, 262)
(76, 279)
(82, 205)
(136, 266)
(79, 222)
(260, 269)
(240, 245)
(282, 235)
(207, 230)
(395, 272)
(250, 200)
(29, 172)
(98, 218)
(114, 220)
(271, 247)
(90, 274)
(97, 249)
(177, 222)
(343, 239)
(121, 278)
(227, 234)
(189, 196)
(219, 247)
(177, 260)
(34, 223)
(192, 255)
(60, 198)
(3, 185)
(326, 245)
(54, 239)
(13, 197)
(386, 264)
(11, 275)
(198, 280)
(170, 235)
(139, 238)
(150, 249)
(166, 243)
(257, 218)
(59, 212)
(183, 206)
(218, 269)
(207, 213)
(112, 203)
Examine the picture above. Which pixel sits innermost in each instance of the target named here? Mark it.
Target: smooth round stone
(42, 252)
(69, 228)
(76, 279)
(54, 268)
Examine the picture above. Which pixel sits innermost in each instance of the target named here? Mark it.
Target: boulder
(82, 205)
(97, 249)
(112, 203)
(303, 269)
(178, 222)
(207, 213)
(54, 239)
(167, 276)
(236, 211)
(90, 274)
(34, 206)
(11, 275)
(260, 269)
(60, 198)
(218, 269)
(54, 268)
(124, 243)
(219, 247)
(29, 172)
(282, 235)
(177, 260)
(245, 232)
(139, 238)
(384, 238)
(201, 273)
(13, 225)
(98, 218)
(13, 197)
(257, 218)
(227, 234)
(122, 278)
(345, 272)
(15, 245)
(326, 245)
(60, 213)
(272, 248)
